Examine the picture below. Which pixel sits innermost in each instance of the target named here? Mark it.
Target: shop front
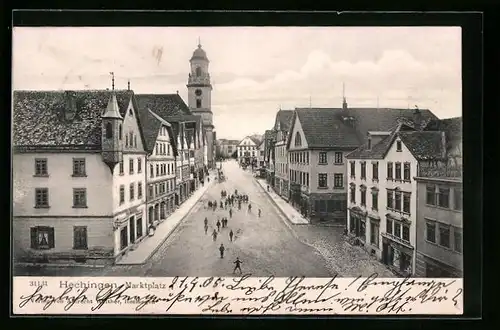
(357, 223)
(397, 255)
(130, 229)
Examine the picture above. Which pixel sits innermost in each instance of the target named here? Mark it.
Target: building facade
(382, 201)
(260, 155)
(281, 174)
(319, 140)
(248, 151)
(160, 167)
(439, 225)
(382, 213)
(200, 98)
(439, 209)
(226, 148)
(79, 175)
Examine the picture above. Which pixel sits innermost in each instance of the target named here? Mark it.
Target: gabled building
(247, 150)
(160, 166)
(78, 175)
(382, 212)
(282, 125)
(439, 223)
(319, 140)
(186, 128)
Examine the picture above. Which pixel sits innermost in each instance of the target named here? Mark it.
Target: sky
(255, 71)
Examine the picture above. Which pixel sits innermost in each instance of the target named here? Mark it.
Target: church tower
(199, 97)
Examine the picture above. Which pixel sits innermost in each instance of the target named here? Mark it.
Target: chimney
(369, 142)
(70, 105)
(417, 117)
(128, 85)
(177, 92)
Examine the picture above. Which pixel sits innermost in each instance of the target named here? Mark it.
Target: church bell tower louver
(199, 97)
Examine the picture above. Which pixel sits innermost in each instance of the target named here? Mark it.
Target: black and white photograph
(269, 152)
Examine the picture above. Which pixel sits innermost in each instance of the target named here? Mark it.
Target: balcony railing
(440, 170)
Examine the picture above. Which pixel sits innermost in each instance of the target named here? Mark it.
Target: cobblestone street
(268, 245)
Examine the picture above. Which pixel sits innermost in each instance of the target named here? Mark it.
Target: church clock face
(198, 92)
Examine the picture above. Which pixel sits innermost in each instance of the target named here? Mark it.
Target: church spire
(199, 42)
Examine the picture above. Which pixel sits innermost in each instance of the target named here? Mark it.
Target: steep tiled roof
(424, 145)
(378, 151)
(150, 126)
(164, 105)
(451, 126)
(284, 117)
(255, 139)
(319, 123)
(39, 118)
(325, 128)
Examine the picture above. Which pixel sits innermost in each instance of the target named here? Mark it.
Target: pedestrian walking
(210, 204)
(221, 250)
(237, 262)
(214, 235)
(249, 207)
(231, 235)
(230, 213)
(221, 205)
(260, 211)
(205, 221)
(218, 225)
(206, 229)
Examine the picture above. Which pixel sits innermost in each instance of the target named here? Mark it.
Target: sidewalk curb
(168, 235)
(286, 220)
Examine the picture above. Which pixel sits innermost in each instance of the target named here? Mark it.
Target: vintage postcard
(237, 170)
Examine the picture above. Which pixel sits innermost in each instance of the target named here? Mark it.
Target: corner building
(78, 176)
